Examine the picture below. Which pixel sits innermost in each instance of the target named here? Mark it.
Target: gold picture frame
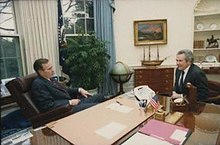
(150, 32)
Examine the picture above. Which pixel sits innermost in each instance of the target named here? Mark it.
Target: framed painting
(150, 32)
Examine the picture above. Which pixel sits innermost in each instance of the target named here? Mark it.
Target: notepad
(165, 131)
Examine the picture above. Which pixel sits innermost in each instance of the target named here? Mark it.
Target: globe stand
(121, 79)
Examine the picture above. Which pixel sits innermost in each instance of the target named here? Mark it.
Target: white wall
(180, 25)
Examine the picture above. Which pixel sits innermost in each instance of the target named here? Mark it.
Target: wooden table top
(81, 128)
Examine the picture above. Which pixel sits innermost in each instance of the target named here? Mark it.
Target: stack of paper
(142, 139)
(165, 131)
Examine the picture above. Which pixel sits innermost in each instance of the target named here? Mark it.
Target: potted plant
(87, 61)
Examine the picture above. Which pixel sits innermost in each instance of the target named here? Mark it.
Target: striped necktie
(181, 81)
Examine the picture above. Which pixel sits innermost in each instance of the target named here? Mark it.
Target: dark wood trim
(212, 70)
(7, 100)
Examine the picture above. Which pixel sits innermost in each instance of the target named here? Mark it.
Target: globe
(120, 69)
(121, 74)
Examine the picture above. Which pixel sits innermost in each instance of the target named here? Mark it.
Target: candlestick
(149, 53)
(144, 53)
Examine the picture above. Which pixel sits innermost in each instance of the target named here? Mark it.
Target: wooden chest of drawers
(160, 79)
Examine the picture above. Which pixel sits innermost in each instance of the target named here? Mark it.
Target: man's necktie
(181, 81)
(58, 85)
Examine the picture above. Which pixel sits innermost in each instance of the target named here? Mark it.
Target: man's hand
(176, 95)
(74, 102)
(84, 92)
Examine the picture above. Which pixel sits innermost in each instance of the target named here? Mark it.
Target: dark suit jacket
(47, 96)
(196, 77)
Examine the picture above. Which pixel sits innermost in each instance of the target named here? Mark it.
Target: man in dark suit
(49, 94)
(187, 72)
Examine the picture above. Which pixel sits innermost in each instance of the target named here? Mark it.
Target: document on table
(179, 135)
(110, 130)
(119, 107)
(165, 131)
(142, 139)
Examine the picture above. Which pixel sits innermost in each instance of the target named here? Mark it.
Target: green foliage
(87, 61)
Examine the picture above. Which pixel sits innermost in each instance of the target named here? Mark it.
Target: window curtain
(37, 27)
(103, 15)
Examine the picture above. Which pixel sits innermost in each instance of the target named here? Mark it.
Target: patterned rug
(13, 123)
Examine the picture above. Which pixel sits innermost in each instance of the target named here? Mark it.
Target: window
(10, 56)
(7, 25)
(10, 60)
(78, 16)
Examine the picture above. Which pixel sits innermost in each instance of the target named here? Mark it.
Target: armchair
(20, 89)
(214, 92)
(188, 102)
(213, 97)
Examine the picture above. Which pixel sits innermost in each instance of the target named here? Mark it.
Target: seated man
(187, 72)
(49, 94)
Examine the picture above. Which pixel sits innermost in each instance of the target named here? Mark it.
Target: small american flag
(155, 102)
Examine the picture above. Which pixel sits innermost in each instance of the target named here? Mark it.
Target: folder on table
(165, 131)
